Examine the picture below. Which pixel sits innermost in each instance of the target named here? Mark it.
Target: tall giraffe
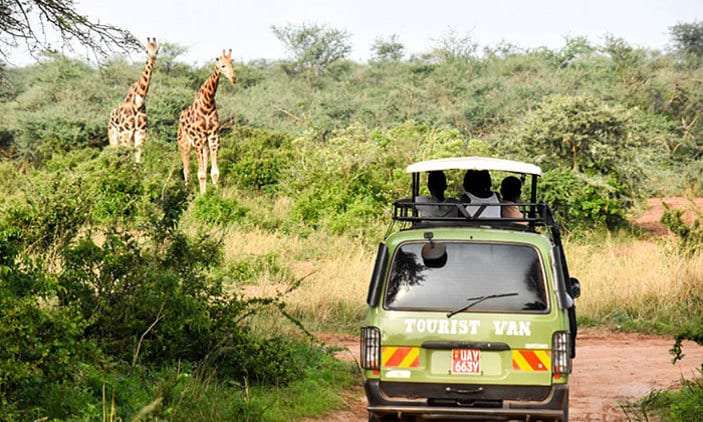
(127, 125)
(199, 125)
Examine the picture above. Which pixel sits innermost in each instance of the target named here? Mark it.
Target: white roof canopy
(474, 163)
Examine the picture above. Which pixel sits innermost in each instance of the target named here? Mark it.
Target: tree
(389, 49)
(688, 39)
(625, 57)
(453, 46)
(169, 54)
(580, 131)
(33, 24)
(574, 48)
(313, 47)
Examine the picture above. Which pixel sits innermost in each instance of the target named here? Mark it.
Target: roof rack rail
(534, 213)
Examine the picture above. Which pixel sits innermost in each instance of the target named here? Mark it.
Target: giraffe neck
(209, 89)
(141, 87)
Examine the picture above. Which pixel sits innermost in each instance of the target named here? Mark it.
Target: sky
(205, 27)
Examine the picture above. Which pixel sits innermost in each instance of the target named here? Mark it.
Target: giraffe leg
(184, 150)
(214, 144)
(112, 136)
(139, 137)
(202, 151)
(112, 131)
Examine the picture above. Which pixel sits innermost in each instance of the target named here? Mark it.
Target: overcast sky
(208, 26)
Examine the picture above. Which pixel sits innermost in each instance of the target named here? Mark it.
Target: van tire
(565, 408)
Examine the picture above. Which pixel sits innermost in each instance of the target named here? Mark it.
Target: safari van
(470, 316)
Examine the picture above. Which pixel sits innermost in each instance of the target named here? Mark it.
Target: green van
(470, 316)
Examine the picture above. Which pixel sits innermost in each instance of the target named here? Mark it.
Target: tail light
(561, 356)
(370, 348)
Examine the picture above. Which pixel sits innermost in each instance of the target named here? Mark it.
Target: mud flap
(573, 329)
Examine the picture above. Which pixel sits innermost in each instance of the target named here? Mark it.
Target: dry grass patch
(637, 284)
(333, 272)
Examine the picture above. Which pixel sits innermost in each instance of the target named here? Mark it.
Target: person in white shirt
(477, 189)
(436, 184)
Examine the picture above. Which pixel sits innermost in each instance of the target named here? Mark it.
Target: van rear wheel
(565, 408)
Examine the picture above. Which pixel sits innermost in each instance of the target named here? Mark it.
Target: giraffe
(127, 125)
(199, 125)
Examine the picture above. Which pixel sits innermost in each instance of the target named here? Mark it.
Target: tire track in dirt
(610, 368)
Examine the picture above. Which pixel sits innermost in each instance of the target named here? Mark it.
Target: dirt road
(609, 368)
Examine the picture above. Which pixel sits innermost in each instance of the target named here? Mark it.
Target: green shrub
(95, 274)
(255, 158)
(690, 236)
(581, 202)
(677, 405)
(42, 348)
(213, 208)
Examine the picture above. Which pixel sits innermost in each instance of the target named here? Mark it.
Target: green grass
(182, 394)
(681, 405)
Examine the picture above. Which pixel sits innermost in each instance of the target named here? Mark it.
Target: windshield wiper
(477, 300)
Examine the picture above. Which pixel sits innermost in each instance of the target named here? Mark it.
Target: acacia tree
(688, 39)
(454, 46)
(37, 25)
(579, 130)
(387, 49)
(313, 47)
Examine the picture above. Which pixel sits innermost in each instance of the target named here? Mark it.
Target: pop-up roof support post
(533, 200)
(415, 191)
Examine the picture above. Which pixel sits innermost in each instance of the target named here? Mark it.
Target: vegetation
(145, 293)
(101, 291)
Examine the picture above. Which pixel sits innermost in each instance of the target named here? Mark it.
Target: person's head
(477, 182)
(511, 188)
(437, 184)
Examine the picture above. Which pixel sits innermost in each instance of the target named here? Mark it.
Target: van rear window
(470, 271)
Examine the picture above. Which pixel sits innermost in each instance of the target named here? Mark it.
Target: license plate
(466, 361)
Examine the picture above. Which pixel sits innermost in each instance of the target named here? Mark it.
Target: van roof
(474, 163)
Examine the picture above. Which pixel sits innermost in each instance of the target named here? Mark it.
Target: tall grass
(637, 284)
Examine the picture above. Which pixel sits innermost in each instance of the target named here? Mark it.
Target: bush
(690, 236)
(581, 202)
(213, 208)
(95, 273)
(255, 158)
(347, 183)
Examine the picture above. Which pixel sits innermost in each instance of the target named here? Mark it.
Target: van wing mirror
(376, 284)
(574, 287)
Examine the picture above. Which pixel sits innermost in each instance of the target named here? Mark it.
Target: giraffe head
(224, 65)
(152, 47)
